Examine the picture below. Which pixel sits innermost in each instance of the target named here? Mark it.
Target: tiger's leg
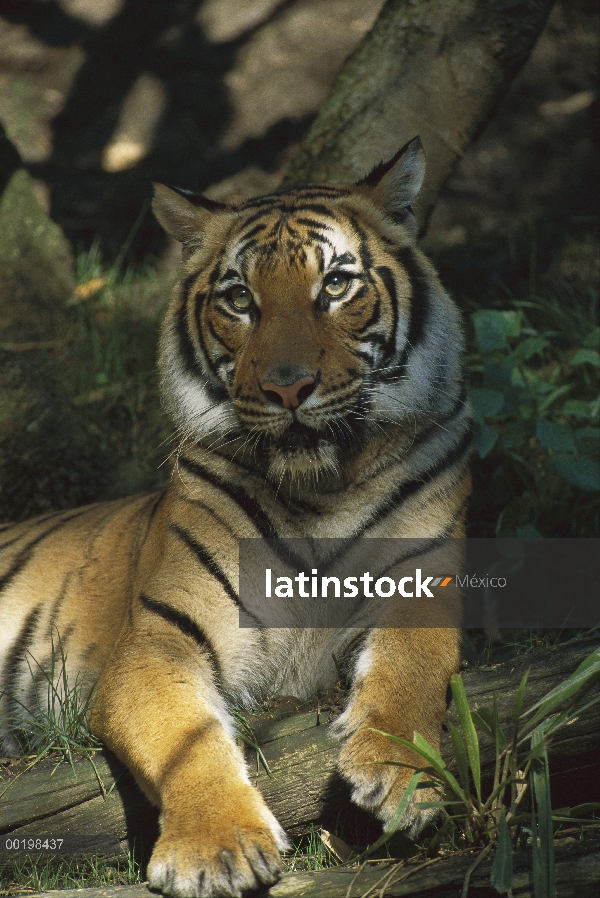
(400, 685)
(157, 707)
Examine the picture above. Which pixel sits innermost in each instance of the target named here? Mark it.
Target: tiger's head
(306, 320)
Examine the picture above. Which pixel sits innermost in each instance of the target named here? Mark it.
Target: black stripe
(19, 647)
(57, 603)
(410, 487)
(312, 223)
(366, 258)
(208, 560)
(245, 246)
(187, 350)
(185, 625)
(249, 506)
(316, 191)
(319, 209)
(389, 283)
(419, 302)
(248, 235)
(198, 199)
(24, 555)
(216, 390)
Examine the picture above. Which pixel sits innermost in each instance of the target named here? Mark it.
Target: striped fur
(328, 402)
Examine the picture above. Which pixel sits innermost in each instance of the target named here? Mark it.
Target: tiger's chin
(304, 463)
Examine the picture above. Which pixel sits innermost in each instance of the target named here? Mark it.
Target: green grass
(309, 853)
(40, 873)
(58, 721)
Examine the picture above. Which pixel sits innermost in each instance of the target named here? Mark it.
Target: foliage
(536, 415)
(498, 818)
(533, 366)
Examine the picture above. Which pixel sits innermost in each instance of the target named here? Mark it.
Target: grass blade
(502, 868)
(468, 729)
(460, 756)
(423, 749)
(543, 835)
(519, 696)
(394, 823)
(573, 688)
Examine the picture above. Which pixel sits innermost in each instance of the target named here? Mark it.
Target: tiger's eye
(241, 298)
(336, 284)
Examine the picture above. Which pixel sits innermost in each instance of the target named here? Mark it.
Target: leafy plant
(536, 404)
(497, 819)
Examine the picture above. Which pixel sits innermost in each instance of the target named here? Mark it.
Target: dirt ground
(101, 97)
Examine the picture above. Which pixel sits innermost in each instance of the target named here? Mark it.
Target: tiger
(310, 361)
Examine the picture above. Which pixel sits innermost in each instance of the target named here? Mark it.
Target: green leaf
(579, 810)
(552, 397)
(557, 437)
(543, 835)
(579, 470)
(526, 349)
(502, 869)
(492, 328)
(580, 681)
(593, 338)
(578, 408)
(484, 438)
(499, 737)
(407, 795)
(482, 718)
(468, 728)
(487, 720)
(460, 756)
(519, 696)
(586, 356)
(486, 403)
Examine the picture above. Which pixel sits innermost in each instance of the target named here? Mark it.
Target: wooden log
(577, 876)
(98, 807)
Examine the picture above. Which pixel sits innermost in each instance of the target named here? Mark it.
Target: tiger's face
(293, 334)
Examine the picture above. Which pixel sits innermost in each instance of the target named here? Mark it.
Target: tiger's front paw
(379, 769)
(225, 851)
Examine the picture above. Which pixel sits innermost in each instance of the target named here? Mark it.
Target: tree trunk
(437, 68)
(302, 788)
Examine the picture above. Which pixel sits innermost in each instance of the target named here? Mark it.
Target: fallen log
(96, 807)
(577, 876)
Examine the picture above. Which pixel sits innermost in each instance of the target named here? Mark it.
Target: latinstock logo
(385, 587)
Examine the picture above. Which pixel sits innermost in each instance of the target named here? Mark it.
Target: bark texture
(437, 68)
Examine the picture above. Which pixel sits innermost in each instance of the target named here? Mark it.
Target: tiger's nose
(289, 395)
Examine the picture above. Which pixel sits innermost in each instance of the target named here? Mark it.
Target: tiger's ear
(394, 185)
(183, 214)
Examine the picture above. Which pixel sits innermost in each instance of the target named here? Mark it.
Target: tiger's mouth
(300, 451)
(298, 438)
